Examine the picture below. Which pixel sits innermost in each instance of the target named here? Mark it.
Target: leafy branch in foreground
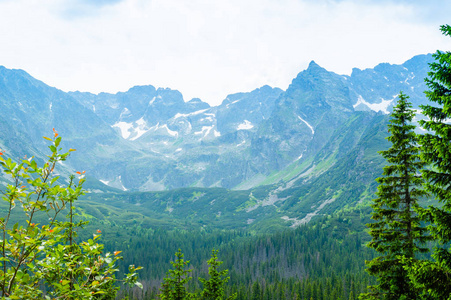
(41, 260)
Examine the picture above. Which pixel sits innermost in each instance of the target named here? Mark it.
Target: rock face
(30, 109)
(151, 139)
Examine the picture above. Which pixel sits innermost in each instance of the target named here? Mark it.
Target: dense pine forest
(324, 260)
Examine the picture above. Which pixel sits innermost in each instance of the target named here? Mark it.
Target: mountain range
(285, 155)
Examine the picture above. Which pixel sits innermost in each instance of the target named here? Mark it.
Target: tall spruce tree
(434, 277)
(396, 231)
(173, 286)
(214, 287)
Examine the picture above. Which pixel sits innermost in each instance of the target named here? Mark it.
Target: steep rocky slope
(151, 139)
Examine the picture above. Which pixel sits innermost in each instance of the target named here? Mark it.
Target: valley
(279, 182)
(279, 154)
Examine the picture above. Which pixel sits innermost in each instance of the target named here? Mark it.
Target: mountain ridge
(190, 143)
(259, 160)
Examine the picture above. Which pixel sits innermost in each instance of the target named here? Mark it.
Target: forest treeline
(324, 260)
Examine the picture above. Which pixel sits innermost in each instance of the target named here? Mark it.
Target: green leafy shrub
(42, 260)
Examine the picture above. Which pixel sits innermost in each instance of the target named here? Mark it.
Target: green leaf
(57, 141)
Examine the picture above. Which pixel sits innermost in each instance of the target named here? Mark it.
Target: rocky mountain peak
(150, 138)
(313, 65)
(142, 89)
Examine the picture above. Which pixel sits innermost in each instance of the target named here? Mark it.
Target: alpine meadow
(338, 187)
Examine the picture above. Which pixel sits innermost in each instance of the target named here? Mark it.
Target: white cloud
(208, 49)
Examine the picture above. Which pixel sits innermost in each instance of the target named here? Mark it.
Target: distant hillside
(268, 156)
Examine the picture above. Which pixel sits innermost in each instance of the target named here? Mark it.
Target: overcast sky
(209, 49)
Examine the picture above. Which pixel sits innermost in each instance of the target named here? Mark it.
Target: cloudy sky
(206, 48)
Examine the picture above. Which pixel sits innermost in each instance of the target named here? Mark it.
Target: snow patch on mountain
(140, 129)
(115, 183)
(245, 126)
(121, 185)
(228, 104)
(179, 115)
(165, 128)
(206, 130)
(410, 77)
(382, 106)
(210, 119)
(306, 123)
(124, 127)
(153, 99)
(141, 122)
(125, 112)
(132, 130)
(170, 132)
